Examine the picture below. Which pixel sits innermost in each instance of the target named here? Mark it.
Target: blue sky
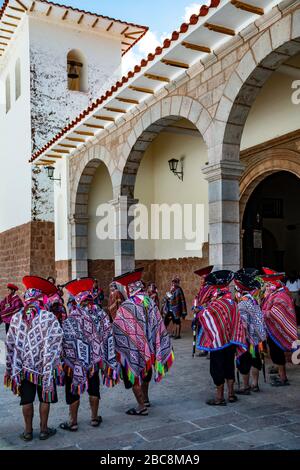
(162, 17)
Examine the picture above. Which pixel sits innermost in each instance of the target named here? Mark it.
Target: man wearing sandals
(248, 296)
(33, 346)
(222, 333)
(142, 342)
(280, 319)
(88, 347)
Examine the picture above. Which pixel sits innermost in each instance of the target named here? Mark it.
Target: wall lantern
(50, 172)
(173, 165)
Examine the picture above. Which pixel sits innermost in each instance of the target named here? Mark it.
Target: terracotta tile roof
(204, 10)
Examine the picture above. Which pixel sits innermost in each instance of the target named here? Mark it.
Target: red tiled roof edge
(166, 44)
(2, 10)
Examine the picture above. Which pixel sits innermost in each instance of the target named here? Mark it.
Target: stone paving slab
(178, 418)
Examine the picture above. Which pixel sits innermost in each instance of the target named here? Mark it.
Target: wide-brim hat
(76, 286)
(204, 271)
(246, 282)
(39, 284)
(12, 286)
(249, 271)
(220, 278)
(130, 277)
(272, 276)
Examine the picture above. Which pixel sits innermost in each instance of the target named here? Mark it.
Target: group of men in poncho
(241, 324)
(48, 346)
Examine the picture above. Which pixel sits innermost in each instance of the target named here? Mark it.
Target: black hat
(249, 271)
(246, 282)
(220, 278)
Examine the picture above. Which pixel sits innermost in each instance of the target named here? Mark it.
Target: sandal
(244, 391)
(255, 388)
(134, 412)
(95, 423)
(26, 436)
(214, 402)
(69, 427)
(273, 370)
(233, 399)
(147, 404)
(49, 433)
(280, 383)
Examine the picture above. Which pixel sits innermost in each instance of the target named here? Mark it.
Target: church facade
(221, 98)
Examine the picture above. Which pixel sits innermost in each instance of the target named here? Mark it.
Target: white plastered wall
(15, 136)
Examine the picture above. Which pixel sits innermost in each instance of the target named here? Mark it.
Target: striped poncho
(280, 318)
(141, 339)
(221, 326)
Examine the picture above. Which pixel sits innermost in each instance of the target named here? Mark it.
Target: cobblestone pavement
(178, 419)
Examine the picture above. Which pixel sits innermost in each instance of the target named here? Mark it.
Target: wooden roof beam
(75, 139)
(175, 63)
(88, 134)
(115, 110)
(4, 37)
(110, 26)
(6, 30)
(80, 19)
(60, 151)
(3, 44)
(16, 9)
(141, 89)
(158, 78)
(49, 11)
(13, 17)
(64, 17)
(196, 47)
(125, 30)
(68, 146)
(248, 7)
(94, 126)
(220, 29)
(53, 155)
(95, 23)
(22, 5)
(104, 118)
(10, 24)
(32, 6)
(127, 100)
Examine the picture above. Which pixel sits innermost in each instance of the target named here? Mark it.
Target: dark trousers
(93, 388)
(6, 327)
(246, 361)
(222, 365)
(276, 353)
(28, 392)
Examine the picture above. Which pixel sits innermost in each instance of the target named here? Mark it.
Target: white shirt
(293, 286)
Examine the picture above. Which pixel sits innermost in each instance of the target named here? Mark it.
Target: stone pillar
(79, 231)
(224, 220)
(124, 245)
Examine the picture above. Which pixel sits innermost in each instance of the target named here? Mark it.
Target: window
(7, 93)
(18, 79)
(77, 73)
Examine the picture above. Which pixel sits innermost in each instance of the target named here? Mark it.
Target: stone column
(224, 220)
(124, 245)
(79, 233)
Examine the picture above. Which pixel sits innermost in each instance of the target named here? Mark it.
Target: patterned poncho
(142, 341)
(252, 319)
(221, 325)
(280, 318)
(9, 306)
(88, 345)
(33, 351)
(178, 303)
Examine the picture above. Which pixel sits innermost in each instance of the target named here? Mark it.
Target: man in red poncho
(142, 342)
(222, 333)
(280, 320)
(10, 305)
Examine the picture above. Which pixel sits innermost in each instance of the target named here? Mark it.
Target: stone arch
(152, 122)
(80, 188)
(272, 48)
(271, 162)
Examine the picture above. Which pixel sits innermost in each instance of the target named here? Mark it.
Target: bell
(73, 71)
